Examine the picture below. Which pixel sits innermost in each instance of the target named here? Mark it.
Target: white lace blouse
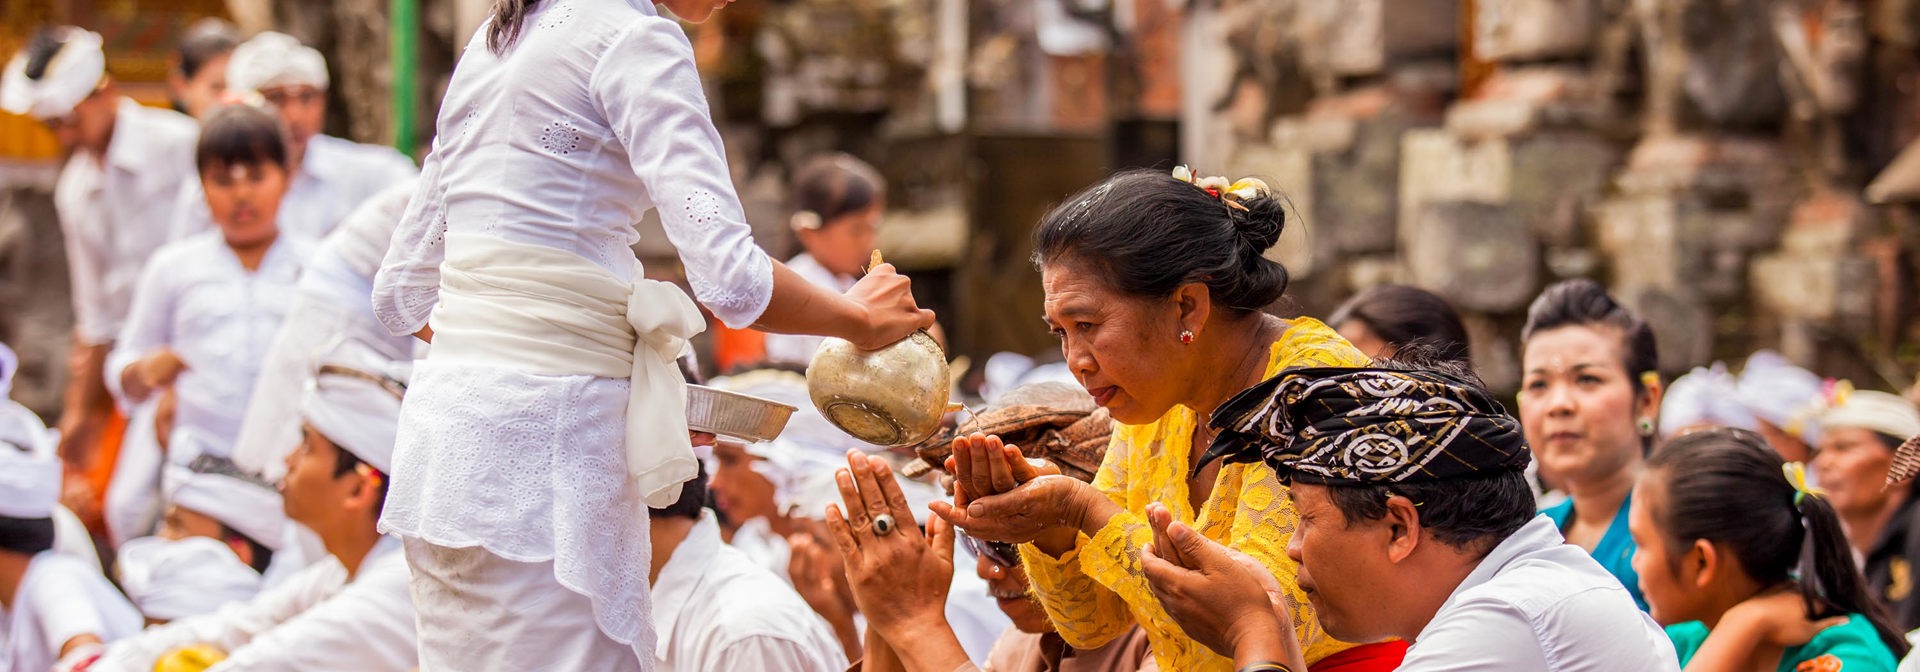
(594, 116)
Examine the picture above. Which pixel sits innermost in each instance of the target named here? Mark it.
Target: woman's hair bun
(1262, 223)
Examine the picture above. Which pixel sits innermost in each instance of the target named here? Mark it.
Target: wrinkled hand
(892, 314)
(899, 579)
(1230, 604)
(986, 466)
(1043, 506)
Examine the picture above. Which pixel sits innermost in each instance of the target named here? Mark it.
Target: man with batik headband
(53, 608)
(125, 169)
(350, 611)
(1415, 523)
(331, 176)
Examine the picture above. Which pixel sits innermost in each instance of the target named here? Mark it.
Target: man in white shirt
(332, 176)
(212, 498)
(127, 166)
(53, 609)
(716, 609)
(351, 611)
(1415, 523)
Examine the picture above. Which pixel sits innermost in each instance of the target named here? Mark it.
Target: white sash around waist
(548, 312)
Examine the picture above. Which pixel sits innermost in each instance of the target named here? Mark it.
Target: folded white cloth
(544, 311)
(353, 400)
(273, 59)
(29, 469)
(169, 580)
(1888, 414)
(71, 75)
(1705, 397)
(248, 507)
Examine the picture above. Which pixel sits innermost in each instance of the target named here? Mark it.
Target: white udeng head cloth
(272, 60)
(72, 74)
(170, 580)
(354, 401)
(1785, 396)
(250, 508)
(1707, 396)
(29, 470)
(1878, 411)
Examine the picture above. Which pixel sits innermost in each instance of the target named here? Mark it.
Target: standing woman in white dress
(549, 414)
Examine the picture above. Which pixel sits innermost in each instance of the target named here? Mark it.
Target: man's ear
(1403, 525)
(366, 492)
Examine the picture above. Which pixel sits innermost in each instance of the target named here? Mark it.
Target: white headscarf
(1885, 413)
(273, 59)
(71, 75)
(250, 508)
(354, 401)
(29, 470)
(1707, 396)
(170, 580)
(1785, 396)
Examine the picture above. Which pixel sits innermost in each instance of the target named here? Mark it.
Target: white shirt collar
(682, 577)
(1538, 534)
(132, 147)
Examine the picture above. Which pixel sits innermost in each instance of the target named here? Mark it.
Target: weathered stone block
(1682, 325)
(1479, 256)
(1525, 30)
(1364, 37)
(1556, 177)
(1437, 166)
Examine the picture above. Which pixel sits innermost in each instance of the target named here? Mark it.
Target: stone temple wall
(1705, 158)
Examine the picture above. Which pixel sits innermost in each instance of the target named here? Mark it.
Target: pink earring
(1186, 337)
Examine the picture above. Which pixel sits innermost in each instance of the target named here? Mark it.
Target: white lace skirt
(531, 468)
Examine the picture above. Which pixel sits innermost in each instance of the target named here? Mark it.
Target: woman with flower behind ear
(1156, 285)
(1590, 404)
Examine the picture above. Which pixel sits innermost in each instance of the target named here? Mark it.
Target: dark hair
(27, 536)
(1726, 486)
(41, 48)
(835, 185)
(1149, 233)
(1473, 514)
(241, 135)
(345, 462)
(693, 498)
(205, 40)
(503, 23)
(1584, 303)
(262, 556)
(1403, 315)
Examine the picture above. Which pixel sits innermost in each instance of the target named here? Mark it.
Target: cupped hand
(986, 466)
(891, 312)
(1229, 604)
(1024, 514)
(899, 578)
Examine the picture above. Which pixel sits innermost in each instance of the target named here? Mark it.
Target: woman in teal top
(1589, 399)
(1720, 526)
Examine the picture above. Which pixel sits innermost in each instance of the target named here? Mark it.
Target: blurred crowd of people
(330, 411)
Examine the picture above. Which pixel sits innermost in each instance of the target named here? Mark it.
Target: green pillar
(403, 47)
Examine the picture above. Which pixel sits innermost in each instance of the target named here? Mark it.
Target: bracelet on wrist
(1266, 666)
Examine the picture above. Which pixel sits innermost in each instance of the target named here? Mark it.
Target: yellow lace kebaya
(1097, 591)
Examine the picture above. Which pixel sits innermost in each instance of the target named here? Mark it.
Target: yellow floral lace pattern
(1096, 592)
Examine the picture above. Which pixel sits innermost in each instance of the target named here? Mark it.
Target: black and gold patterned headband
(1339, 425)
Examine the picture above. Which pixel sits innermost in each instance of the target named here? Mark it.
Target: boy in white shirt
(327, 177)
(209, 305)
(126, 166)
(350, 611)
